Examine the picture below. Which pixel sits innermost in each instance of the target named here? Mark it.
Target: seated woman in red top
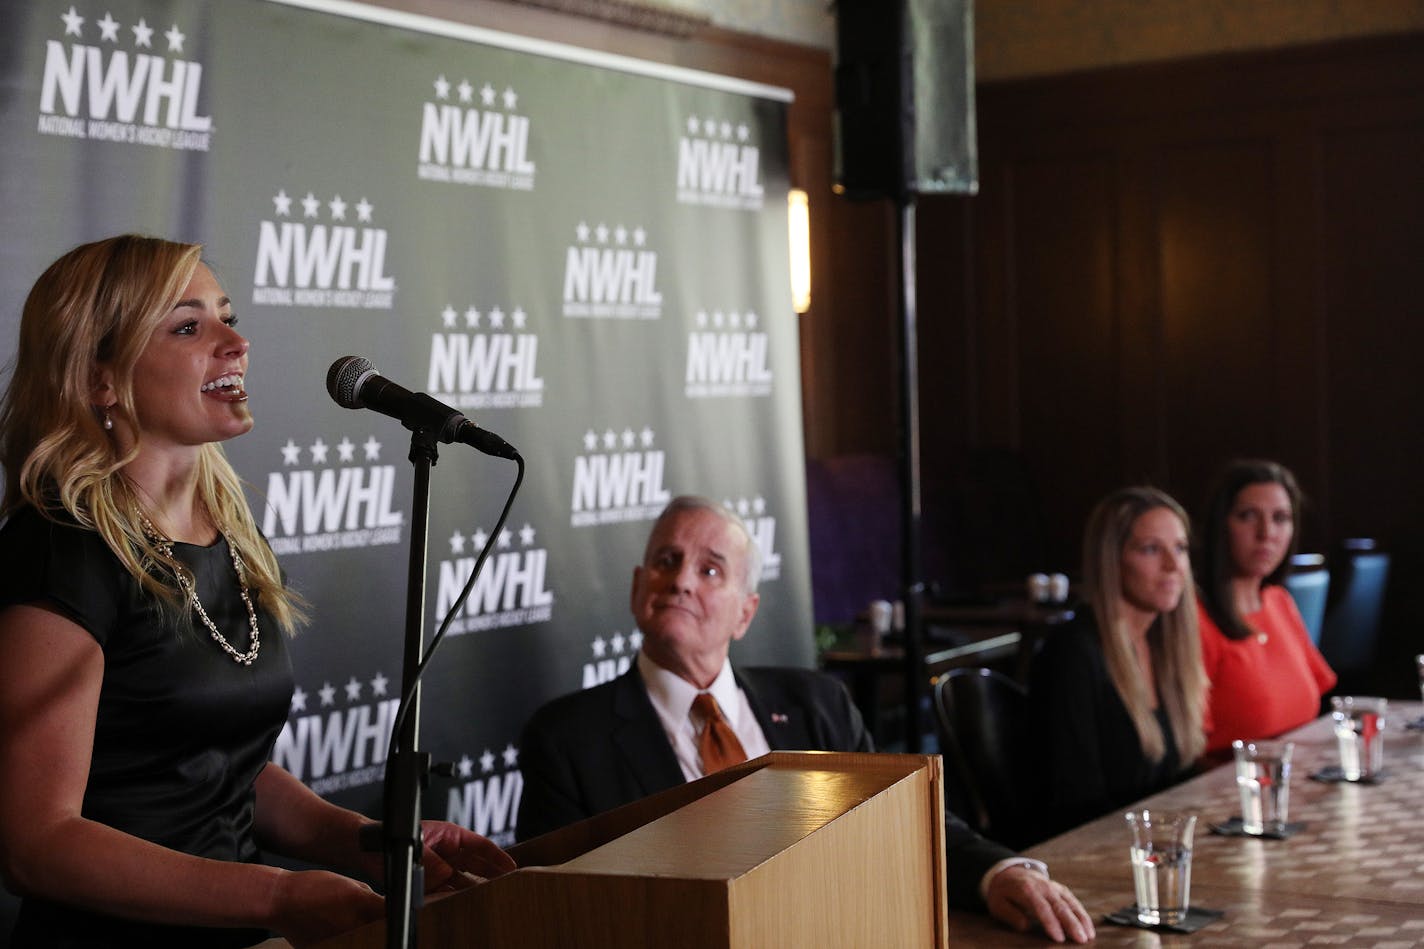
(1266, 675)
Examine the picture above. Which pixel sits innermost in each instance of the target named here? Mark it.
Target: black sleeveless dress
(182, 730)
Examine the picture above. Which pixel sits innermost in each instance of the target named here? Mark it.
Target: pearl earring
(108, 421)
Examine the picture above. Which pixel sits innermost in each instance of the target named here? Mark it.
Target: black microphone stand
(407, 770)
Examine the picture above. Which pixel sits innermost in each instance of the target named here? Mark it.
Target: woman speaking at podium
(143, 671)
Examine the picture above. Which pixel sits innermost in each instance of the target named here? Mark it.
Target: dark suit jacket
(591, 751)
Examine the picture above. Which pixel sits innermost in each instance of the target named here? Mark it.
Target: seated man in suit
(681, 711)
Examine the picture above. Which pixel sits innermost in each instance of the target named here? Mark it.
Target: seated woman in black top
(1116, 696)
(144, 675)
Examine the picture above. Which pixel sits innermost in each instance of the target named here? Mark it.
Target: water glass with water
(1263, 778)
(1358, 730)
(1161, 864)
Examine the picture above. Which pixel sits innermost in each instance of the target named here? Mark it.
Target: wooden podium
(815, 849)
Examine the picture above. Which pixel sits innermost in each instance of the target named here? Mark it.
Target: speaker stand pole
(916, 682)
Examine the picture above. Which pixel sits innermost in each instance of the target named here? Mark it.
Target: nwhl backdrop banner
(583, 253)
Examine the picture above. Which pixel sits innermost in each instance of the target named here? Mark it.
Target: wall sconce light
(799, 225)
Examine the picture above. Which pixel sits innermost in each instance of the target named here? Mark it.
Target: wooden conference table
(1354, 876)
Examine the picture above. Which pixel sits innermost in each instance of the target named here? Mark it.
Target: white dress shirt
(672, 697)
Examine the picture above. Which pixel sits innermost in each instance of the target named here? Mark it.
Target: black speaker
(905, 98)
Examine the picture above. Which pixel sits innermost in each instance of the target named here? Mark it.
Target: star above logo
(310, 205)
(448, 316)
(373, 449)
(108, 28)
(511, 756)
(526, 535)
(466, 91)
(175, 39)
(291, 453)
(282, 203)
(318, 451)
(346, 449)
(72, 22)
(510, 99)
(442, 88)
(338, 208)
(472, 318)
(143, 34)
(457, 542)
(363, 210)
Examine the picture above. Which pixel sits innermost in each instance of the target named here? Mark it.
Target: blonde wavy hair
(98, 306)
(1172, 639)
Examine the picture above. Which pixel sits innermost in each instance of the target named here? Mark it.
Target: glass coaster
(1334, 775)
(1196, 918)
(1232, 828)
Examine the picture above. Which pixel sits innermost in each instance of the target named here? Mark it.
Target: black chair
(981, 716)
(1352, 618)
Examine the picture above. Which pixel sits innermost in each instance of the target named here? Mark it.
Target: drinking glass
(1263, 778)
(1161, 864)
(1358, 721)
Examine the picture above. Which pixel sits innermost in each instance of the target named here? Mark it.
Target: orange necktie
(717, 745)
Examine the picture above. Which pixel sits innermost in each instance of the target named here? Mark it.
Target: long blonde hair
(1173, 640)
(98, 306)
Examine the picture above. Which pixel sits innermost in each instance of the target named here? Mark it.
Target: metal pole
(916, 683)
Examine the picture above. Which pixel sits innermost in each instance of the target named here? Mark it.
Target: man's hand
(1022, 898)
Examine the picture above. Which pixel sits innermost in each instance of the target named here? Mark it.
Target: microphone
(354, 383)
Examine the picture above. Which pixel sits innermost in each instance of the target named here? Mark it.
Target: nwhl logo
(331, 747)
(485, 145)
(762, 527)
(314, 263)
(348, 505)
(716, 166)
(510, 590)
(611, 657)
(119, 90)
(487, 802)
(726, 356)
(479, 362)
(622, 482)
(618, 281)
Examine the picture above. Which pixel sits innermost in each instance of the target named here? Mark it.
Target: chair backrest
(1352, 620)
(1309, 585)
(981, 715)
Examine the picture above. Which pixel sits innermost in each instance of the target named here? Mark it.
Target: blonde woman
(142, 625)
(1117, 696)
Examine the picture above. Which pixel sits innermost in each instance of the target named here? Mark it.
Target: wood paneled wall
(1169, 266)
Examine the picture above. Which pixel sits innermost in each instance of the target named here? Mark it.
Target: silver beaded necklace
(165, 546)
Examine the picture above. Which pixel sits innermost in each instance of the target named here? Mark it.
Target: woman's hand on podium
(451, 852)
(314, 905)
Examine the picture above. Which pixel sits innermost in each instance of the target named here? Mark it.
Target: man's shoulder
(791, 679)
(577, 709)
